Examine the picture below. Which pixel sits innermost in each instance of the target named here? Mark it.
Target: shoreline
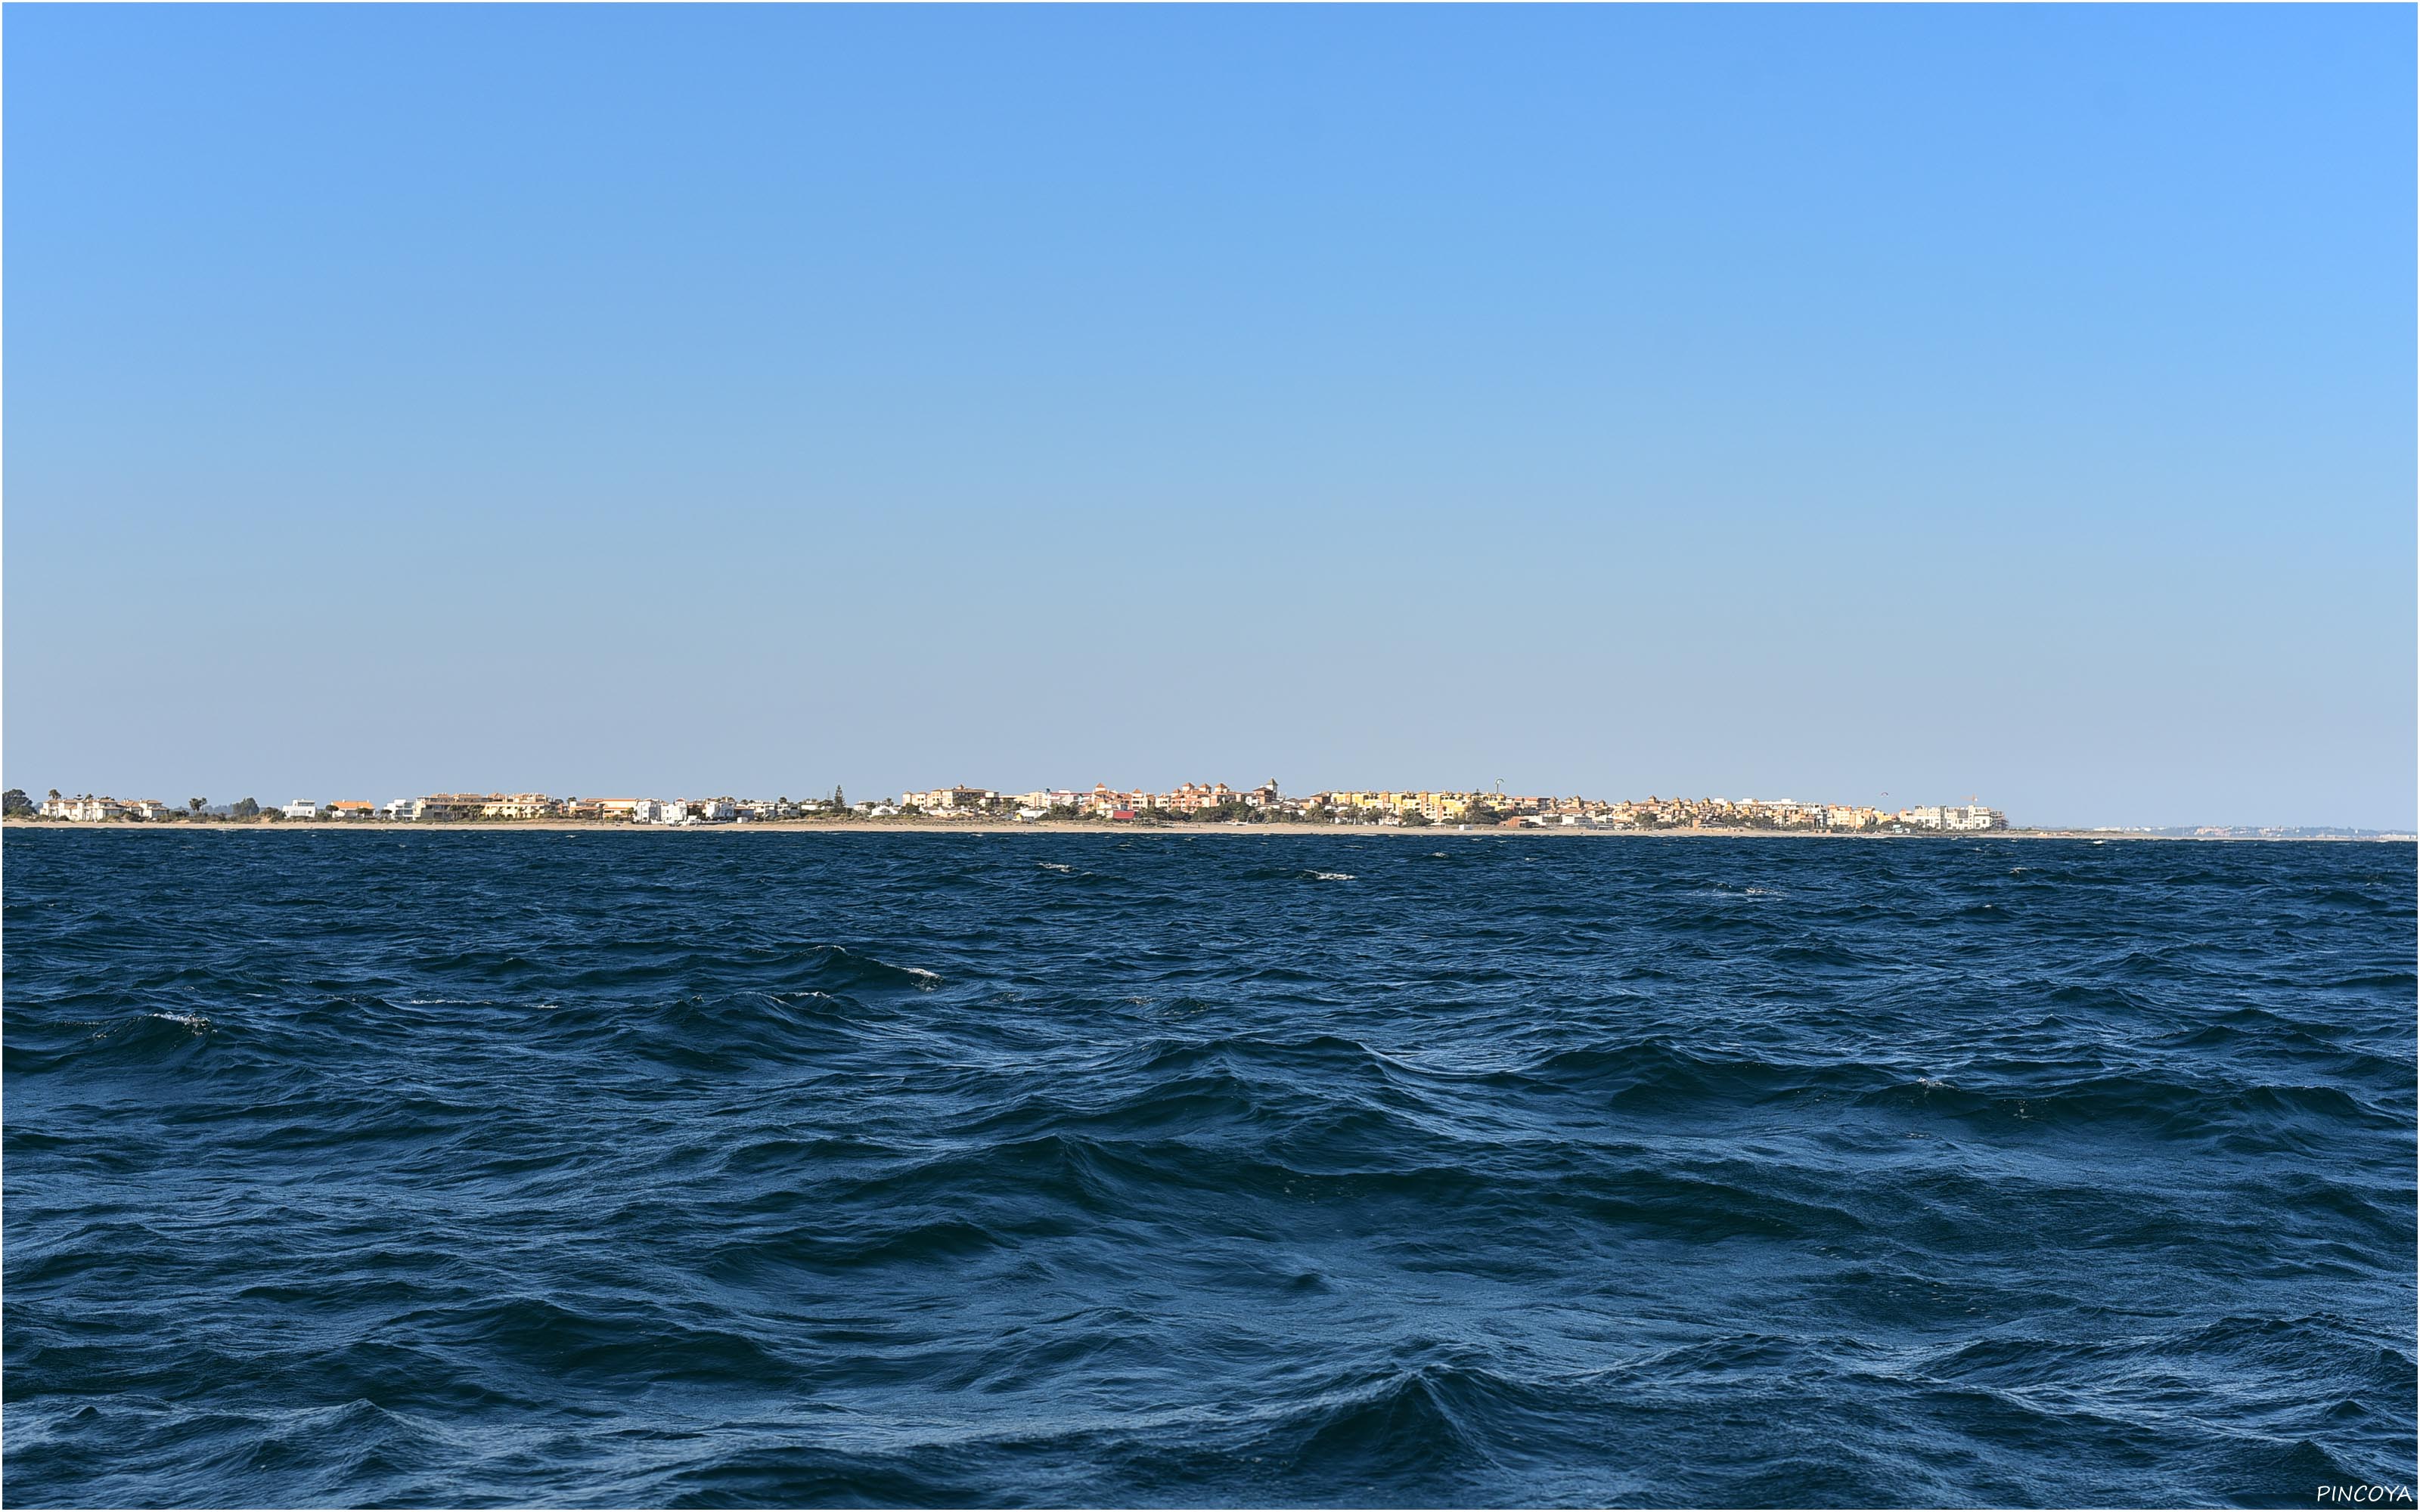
(1061, 827)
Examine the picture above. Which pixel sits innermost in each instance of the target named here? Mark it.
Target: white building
(300, 809)
(1964, 817)
(401, 808)
(656, 811)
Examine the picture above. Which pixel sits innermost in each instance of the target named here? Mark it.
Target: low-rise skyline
(1189, 801)
(1185, 802)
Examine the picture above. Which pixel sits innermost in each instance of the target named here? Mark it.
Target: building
(1962, 817)
(1192, 797)
(1969, 817)
(300, 809)
(349, 809)
(949, 800)
(401, 808)
(86, 810)
(1444, 808)
(1107, 801)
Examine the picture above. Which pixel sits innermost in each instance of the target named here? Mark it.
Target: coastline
(1061, 827)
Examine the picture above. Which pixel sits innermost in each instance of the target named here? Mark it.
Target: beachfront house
(949, 800)
(300, 809)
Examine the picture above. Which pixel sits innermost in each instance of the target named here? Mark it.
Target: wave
(1289, 1170)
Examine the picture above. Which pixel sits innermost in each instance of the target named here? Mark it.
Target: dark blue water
(727, 1169)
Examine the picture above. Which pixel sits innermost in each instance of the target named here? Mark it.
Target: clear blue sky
(1738, 401)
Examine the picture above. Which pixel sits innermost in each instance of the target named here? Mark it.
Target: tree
(838, 801)
(55, 792)
(15, 802)
(246, 809)
(196, 805)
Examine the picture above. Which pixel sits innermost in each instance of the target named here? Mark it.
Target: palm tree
(195, 803)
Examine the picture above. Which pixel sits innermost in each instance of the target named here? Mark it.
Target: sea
(1198, 1169)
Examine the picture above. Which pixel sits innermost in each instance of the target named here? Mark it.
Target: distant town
(1188, 803)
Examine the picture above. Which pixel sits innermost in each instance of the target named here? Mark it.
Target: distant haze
(1822, 403)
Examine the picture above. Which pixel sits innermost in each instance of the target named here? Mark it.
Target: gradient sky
(1740, 401)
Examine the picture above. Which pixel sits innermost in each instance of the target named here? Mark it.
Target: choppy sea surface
(1424, 1169)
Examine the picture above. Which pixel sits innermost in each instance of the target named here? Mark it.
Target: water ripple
(1251, 1169)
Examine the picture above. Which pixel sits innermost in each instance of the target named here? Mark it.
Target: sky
(1739, 401)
